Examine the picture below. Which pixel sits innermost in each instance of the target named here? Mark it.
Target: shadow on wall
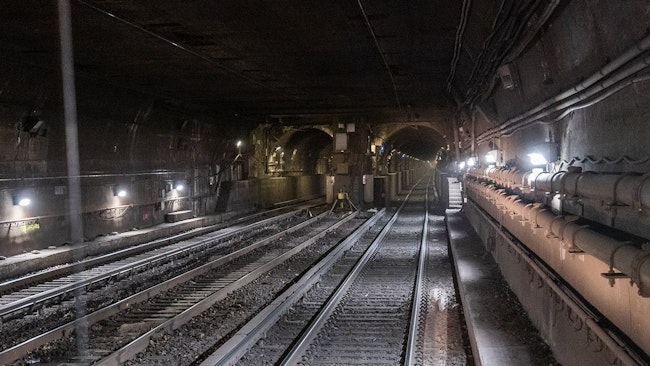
(265, 193)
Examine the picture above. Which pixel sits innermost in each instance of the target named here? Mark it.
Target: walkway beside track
(499, 331)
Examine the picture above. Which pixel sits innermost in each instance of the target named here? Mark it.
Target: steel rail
(231, 351)
(140, 344)
(68, 268)
(21, 350)
(30, 302)
(413, 338)
(300, 347)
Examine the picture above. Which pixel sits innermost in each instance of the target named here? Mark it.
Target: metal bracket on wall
(611, 275)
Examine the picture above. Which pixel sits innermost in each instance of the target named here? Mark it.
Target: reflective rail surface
(354, 307)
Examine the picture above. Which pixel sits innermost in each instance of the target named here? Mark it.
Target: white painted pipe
(613, 189)
(588, 319)
(624, 256)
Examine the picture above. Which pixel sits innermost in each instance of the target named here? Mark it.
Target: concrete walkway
(499, 330)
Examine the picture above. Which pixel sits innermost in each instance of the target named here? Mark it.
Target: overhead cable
(459, 41)
(381, 53)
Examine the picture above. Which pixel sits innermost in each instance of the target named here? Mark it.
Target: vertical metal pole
(72, 156)
(70, 114)
(456, 137)
(473, 134)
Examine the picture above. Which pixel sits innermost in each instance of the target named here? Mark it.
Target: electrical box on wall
(341, 141)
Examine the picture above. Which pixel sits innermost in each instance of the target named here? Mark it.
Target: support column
(351, 161)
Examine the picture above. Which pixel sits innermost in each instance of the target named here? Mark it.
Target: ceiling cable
(381, 53)
(176, 45)
(459, 41)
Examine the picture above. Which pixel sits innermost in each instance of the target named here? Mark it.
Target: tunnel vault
(291, 150)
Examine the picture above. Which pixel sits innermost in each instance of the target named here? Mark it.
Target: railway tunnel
(126, 122)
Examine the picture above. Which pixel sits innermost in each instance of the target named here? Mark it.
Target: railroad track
(24, 311)
(358, 307)
(12, 284)
(173, 303)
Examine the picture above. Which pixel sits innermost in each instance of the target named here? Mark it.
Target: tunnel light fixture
(491, 157)
(238, 143)
(179, 187)
(119, 192)
(461, 165)
(22, 200)
(471, 162)
(537, 159)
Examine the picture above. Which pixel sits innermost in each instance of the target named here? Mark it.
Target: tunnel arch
(305, 151)
(415, 141)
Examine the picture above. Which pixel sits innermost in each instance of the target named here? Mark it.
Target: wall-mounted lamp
(471, 162)
(491, 157)
(537, 159)
(21, 200)
(238, 144)
(119, 191)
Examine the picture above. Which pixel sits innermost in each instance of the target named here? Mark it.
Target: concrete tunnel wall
(131, 141)
(602, 127)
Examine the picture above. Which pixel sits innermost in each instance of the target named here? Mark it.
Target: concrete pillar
(393, 186)
(352, 161)
(381, 191)
(329, 189)
(368, 188)
(400, 185)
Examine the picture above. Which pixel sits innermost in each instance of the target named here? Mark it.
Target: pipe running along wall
(612, 190)
(581, 254)
(617, 200)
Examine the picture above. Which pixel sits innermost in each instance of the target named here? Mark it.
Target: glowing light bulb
(537, 159)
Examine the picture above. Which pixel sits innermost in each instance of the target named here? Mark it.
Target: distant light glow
(491, 157)
(471, 162)
(24, 201)
(239, 143)
(179, 187)
(121, 193)
(537, 159)
(461, 165)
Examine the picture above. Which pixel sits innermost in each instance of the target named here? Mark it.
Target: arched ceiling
(308, 139)
(417, 141)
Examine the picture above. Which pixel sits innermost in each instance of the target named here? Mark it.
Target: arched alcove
(301, 152)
